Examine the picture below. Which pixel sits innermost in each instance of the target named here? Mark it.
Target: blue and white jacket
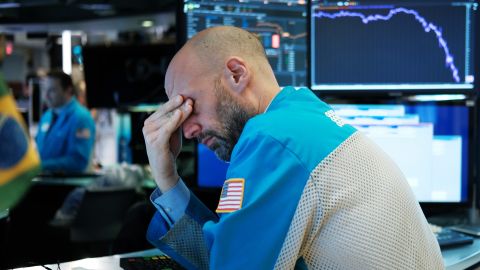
(311, 193)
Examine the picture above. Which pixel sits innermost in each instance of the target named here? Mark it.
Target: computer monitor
(431, 142)
(281, 26)
(126, 75)
(376, 45)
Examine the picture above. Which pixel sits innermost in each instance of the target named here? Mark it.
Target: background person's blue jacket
(67, 145)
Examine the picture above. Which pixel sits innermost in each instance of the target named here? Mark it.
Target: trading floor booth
(404, 73)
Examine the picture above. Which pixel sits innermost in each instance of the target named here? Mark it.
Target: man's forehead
(183, 69)
(172, 93)
(170, 77)
(47, 81)
(177, 83)
(170, 89)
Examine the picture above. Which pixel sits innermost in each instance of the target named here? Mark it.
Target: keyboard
(157, 262)
(449, 238)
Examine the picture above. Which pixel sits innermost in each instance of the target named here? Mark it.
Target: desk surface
(79, 181)
(100, 263)
(455, 258)
(463, 256)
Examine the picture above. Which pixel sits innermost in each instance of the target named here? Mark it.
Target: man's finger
(165, 108)
(179, 116)
(186, 110)
(167, 126)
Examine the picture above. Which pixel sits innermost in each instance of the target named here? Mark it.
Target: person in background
(66, 131)
(303, 191)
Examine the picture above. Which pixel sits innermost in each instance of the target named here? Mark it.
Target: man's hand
(163, 139)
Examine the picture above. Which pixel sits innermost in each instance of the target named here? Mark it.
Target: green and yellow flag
(19, 160)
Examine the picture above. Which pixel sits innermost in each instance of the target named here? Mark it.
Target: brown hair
(64, 79)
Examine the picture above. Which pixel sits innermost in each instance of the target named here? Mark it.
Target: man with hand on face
(303, 189)
(66, 131)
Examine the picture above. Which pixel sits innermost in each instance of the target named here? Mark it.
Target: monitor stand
(473, 216)
(473, 226)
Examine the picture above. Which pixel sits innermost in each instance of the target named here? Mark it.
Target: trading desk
(462, 257)
(100, 263)
(78, 181)
(455, 258)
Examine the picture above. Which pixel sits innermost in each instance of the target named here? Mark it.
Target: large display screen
(281, 26)
(393, 45)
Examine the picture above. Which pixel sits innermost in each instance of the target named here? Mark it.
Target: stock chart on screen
(403, 45)
(281, 26)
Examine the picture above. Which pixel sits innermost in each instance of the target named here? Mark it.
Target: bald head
(207, 52)
(225, 74)
(217, 43)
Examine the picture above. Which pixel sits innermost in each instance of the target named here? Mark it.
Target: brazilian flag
(19, 160)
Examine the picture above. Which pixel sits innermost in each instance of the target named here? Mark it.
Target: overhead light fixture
(147, 23)
(67, 52)
(9, 5)
(444, 97)
(9, 48)
(96, 6)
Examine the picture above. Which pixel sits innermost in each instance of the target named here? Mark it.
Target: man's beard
(233, 117)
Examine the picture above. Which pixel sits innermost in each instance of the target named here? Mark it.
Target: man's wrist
(167, 183)
(172, 204)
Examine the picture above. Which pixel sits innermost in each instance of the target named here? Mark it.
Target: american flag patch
(232, 195)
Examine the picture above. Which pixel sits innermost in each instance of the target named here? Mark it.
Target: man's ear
(237, 74)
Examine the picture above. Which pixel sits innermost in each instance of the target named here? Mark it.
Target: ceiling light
(96, 6)
(67, 52)
(445, 97)
(9, 5)
(147, 23)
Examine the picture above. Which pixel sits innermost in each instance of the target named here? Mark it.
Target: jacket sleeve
(248, 238)
(184, 241)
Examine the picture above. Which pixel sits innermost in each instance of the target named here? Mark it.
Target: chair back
(100, 215)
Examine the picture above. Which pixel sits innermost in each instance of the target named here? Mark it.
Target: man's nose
(191, 129)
